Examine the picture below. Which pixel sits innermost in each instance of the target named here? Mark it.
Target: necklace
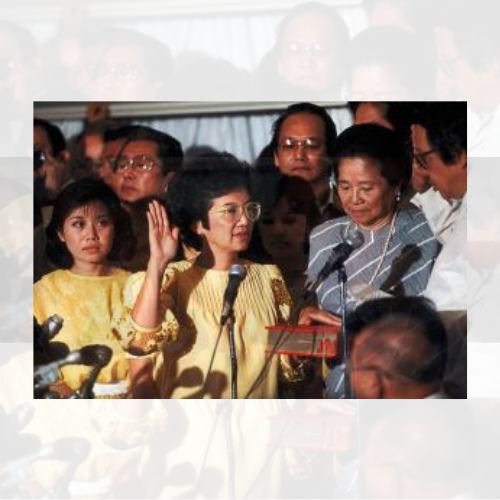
(386, 247)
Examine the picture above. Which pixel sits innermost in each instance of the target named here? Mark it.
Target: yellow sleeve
(137, 340)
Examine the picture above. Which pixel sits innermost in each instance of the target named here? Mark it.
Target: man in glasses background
(143, 161)
(302, 144)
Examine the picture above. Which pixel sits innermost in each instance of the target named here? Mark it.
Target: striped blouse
(403, 270)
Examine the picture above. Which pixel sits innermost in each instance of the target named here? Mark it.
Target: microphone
(47, 331)
(237, 273)
(49, 373)
(353, 240)
(96, 355)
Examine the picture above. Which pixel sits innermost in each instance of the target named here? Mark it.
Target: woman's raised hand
(163, 240)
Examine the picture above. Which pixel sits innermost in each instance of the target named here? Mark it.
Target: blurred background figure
(302, 142)
(308, 61)
(289, 213)
(390, 63)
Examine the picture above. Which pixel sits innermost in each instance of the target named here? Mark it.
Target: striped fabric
(404, 271)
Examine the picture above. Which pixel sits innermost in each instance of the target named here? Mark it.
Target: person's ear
(64, 157)
(276, 160)
(197, 228)
(167, 179)
(462, 160)
(60, 235)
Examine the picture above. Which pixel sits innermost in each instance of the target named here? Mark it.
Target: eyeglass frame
(299, 143)
(420, 158)
(129, 163)
(241, 209)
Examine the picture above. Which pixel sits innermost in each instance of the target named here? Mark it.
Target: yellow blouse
(87, 304)
(191, 302)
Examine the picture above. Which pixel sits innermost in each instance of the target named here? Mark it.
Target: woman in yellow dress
(87, 232)
(175, 307)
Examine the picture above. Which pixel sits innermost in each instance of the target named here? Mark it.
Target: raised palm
(163, 240)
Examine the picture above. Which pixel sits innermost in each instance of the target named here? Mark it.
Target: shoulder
(262, 271)
(412, 223)
(330, 229)
(51, 279)
(120, 276)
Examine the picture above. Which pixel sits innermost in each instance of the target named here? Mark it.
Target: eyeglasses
(316, 49)
(309, 144)
(138, 163)
(421, 158)
(233, 212)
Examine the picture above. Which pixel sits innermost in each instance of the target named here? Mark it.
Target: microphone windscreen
(354, 237)
(96, 355)
(237, 271)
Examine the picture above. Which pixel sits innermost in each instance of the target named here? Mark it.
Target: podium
(307, 341)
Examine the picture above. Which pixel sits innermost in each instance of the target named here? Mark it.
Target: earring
(398, 197)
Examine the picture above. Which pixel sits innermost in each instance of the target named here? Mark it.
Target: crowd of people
(140, 243)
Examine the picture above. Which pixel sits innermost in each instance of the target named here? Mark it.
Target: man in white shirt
(439, 138)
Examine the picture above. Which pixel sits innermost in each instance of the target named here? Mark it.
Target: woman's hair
(81, 194)
(192, 192)
(376, 143)
(300, 198)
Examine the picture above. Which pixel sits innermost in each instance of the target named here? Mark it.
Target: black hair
(400, 51)
(377, 143)
(56, 137)
(170, 150)
(398, 114)
(192, 191)
(80, 194)
(310, 109)
(446, 127)
(411, 314)
(299, 196)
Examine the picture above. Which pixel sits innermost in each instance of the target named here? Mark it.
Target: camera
(38, 158)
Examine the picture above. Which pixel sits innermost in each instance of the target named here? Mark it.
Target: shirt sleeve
(135, 339)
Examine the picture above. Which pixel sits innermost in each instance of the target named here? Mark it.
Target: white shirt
(447, 285)
(440, 213)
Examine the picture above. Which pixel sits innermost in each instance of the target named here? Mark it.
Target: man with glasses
(143, 161)
(302, 143)
(439, 138)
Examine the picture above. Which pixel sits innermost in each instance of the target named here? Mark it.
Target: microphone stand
(234, 359)
(343, 330)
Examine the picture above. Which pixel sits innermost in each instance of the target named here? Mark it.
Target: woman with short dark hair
(372, 169)
(175, 307)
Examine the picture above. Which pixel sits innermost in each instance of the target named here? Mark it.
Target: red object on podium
(311, 341)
